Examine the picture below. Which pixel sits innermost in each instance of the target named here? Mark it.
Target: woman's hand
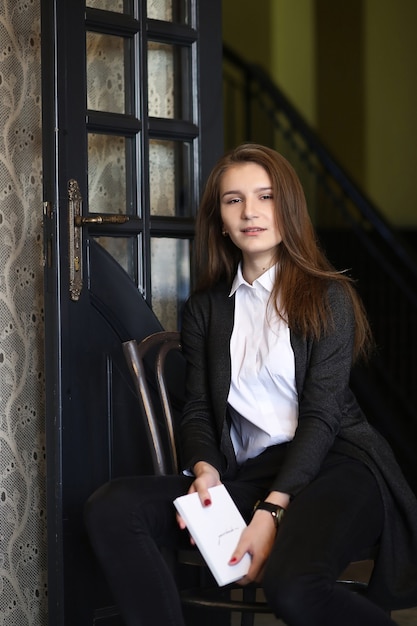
(205, 476)
(258, 538)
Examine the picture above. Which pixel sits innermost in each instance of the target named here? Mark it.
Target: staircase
(355, 237)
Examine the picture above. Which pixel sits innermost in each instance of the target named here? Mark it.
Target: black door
(132, 124)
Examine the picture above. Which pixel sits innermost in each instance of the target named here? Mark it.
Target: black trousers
(337, 516)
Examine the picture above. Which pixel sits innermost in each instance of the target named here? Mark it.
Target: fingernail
(233, 560)
(207, 502)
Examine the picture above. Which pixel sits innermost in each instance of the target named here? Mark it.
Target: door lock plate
(75, 240)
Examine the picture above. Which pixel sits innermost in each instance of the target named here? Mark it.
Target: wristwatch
(276, 510)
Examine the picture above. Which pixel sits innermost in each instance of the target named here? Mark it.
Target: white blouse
(263, 401)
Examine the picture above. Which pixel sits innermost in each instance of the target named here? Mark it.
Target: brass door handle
(75, 223)
(81, 220)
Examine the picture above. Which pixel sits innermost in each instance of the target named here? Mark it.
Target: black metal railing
(351, 229)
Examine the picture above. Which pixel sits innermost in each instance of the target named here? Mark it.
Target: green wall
(350, 68)
(391, 107)
(293, 53)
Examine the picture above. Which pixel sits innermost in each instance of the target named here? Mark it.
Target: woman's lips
(250, 231)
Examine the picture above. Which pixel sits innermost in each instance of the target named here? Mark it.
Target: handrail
(255, 74)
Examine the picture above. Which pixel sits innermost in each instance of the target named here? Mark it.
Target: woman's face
(247, 209)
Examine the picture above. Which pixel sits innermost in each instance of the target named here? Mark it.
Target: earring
(224, 233)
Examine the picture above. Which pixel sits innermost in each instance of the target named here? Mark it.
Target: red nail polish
(207, 502)
(233, 560)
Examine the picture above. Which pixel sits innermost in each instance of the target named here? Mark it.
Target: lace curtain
(23, 573)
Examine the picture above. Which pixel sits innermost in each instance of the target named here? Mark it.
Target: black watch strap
(276, 510)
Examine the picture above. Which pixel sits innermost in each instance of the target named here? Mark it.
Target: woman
(269, 338)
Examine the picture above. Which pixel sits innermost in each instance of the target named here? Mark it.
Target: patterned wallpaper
(22, 446)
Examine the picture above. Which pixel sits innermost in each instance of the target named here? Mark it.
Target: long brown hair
(303, 270)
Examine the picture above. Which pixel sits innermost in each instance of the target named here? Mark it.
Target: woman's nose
(248, 209)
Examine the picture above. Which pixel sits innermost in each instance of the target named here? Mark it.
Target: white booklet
(216, 530)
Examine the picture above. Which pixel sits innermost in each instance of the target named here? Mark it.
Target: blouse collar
(266, 280)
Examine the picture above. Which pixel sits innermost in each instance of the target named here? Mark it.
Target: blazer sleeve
(199, 436)
(326, 403)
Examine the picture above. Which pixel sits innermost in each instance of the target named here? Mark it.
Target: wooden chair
(147, 363)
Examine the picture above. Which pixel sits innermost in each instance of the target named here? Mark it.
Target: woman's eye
(234, 200)
(267, 196)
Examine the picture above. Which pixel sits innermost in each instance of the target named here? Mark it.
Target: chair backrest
(155, 348)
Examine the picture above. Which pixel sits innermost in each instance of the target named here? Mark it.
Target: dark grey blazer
(329, 419)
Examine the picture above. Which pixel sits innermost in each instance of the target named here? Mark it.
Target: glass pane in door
(170, 178)
(169, 92)
(106, 59)
(125, 251)
(170, 277)
(110, 163)
(159, 10)
(118, 6)
(169, 10)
